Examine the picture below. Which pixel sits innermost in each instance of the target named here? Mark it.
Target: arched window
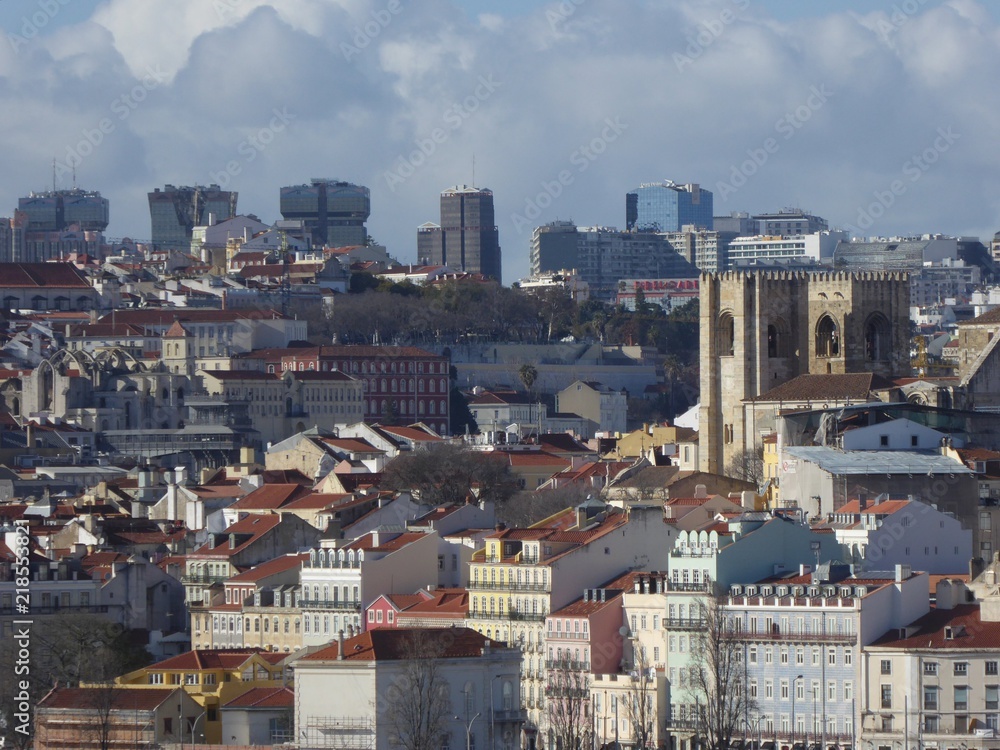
(827, 337)
(725, 335)
(777, 339)
(877, 338)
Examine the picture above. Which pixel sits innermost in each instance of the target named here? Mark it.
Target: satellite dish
(623, 630)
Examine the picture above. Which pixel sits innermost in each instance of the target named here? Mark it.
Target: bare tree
(568, 703)
(418, 706)
(640, 701)
(747, 465)
(447, 473)
(719, 678)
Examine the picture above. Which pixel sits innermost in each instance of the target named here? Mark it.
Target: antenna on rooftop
(473, 170)
(53, 174)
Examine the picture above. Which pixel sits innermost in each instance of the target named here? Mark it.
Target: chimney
(340, 645)
(862, 501)
(902, 572)
(700, 490)
(30, 435)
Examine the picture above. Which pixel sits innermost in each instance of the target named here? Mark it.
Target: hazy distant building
(603, 256)
(895, 253)
(335, 212)
(707, 249)
(739, 223)
(467, 239)
(12, 239)
(789, 222)
(63, 210)
(818, 247)
(174, 212)
(667, 207)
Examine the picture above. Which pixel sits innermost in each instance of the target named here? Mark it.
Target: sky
(877, 116)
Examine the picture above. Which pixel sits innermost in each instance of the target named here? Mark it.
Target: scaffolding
(339, 733)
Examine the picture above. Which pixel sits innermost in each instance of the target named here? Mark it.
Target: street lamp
(750, 729)
(799, 677)
(468, 730)
(194, 737)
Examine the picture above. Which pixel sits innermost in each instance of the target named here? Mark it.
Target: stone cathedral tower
(760, 329)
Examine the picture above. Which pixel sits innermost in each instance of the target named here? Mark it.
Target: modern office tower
(335, 212)
(789, 222)
(604, 256)
(61, 210)
(175, 211)
(666, 207)
(467, 238)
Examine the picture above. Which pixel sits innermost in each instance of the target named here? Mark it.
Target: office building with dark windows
(334, 211)
(174, 212)
(467, 239)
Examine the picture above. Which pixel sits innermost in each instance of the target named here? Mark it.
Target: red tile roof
(270, 568)
(216, 658)
(967, 629)
(367, 542)
(254, 525)
(393, 644)
(123, 698)
(41, 275)
(831, 387)
(270, 497)
(264, 697)
(445, 603)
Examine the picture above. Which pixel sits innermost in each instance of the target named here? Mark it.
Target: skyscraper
(335, 212)
(59, 210)
(175, 211)
(467, 239)
(667, 207)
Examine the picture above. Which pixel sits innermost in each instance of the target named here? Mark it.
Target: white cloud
(361, 108)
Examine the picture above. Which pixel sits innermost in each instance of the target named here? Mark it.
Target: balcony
(560, 635)
(510, 715)
(352, 605)
(507, 586)
(510, 615)
(203, 580)
(792, 637)
(528, 616)
(685, 623)
(577, 666)
(698, 588)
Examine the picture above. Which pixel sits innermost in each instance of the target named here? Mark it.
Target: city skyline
(878, 121)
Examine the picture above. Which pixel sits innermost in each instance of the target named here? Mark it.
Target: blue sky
(876, 115)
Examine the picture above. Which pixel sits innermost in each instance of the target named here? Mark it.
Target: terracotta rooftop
(270, 568)
(393, 644)
(851, 386)
(264, 697)
(445, 603)
(270, 497)
(216, 658)
(968, 631)
(40, 275)
(367, 542)
(123, 699)
(254, 526)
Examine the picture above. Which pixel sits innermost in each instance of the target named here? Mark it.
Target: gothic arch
(827, 337)
(777, 338)
(725, 334)
(878, 338)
